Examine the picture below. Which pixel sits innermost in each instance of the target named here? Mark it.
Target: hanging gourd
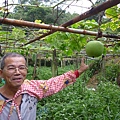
(94, 48)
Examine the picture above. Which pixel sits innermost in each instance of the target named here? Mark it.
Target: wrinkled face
(14, 72)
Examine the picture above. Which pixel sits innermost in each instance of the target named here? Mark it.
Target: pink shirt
(33, 90)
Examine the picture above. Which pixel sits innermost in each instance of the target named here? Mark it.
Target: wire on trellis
(62, 11)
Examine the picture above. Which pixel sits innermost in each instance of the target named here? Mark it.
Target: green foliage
(78, 103)
(107, 71)
(18, 33)
(3, 36)
(87, 25)
(95, 67)
(29, 13)
(43, 73)
(67, 43)
(110, 73)
(44, 13)
(113, 14)
(30, 72)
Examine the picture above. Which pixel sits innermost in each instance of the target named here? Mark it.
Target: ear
(1, 75)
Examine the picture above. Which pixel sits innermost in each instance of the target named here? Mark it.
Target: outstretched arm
(58, 83)
(44, 88)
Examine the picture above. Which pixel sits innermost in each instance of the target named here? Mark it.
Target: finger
(82, 60)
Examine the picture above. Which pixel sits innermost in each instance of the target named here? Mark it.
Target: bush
(79, 103)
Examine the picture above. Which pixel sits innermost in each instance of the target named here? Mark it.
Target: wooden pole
(22, 23)
(54, 64)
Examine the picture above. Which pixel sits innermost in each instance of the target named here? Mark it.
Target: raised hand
(83, 66)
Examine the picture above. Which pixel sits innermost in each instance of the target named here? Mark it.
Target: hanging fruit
(94, 48)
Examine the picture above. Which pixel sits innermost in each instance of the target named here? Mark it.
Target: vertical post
(27, 59)
(54, 64)
(77, 61)
(103, 65)
(39, 61)
(35, 66)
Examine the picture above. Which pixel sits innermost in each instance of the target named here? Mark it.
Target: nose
(17, 70)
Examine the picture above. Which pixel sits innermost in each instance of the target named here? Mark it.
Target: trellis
(65, 27)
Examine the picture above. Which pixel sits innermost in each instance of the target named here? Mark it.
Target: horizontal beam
(22, 23)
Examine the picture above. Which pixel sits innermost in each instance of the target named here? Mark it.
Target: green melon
(94, 48)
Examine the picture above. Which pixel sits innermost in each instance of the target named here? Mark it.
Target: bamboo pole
(52, 28)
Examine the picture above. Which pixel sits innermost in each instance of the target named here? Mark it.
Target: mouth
(17, 79)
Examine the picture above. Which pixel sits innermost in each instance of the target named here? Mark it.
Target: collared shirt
(32, 91)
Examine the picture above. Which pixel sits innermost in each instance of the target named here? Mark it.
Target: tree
(47, 15)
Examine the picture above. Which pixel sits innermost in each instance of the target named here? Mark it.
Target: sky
(79, 7)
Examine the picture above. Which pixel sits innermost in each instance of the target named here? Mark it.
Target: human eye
(10, 68)
(22, 67)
